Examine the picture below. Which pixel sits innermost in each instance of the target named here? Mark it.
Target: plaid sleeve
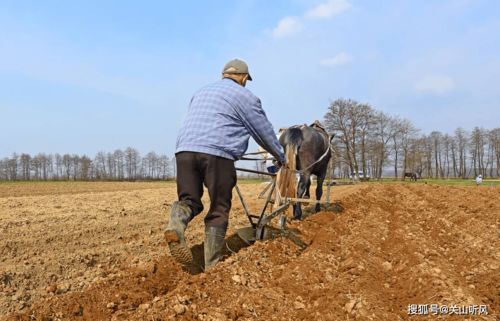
(255, 120)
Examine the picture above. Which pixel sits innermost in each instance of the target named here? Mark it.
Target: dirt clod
(180, 309)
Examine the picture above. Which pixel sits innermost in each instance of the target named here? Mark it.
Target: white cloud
(291, 25)
(435, 84)
(287, 26)
(328, 9)
(340, 59)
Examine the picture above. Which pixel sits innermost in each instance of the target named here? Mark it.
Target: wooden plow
(277, 202)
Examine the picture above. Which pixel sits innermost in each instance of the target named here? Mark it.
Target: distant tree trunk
(59, 164)
(111, 166)
(384, 129)
(495, 138)
(12, 167)
(454, 158)
(436, 138)
(119, 161)
(477, 148)
(85, 164)
(67, 162)
(396, 152)
(462, 140)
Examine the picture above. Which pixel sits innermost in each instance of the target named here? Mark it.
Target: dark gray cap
(236, 66)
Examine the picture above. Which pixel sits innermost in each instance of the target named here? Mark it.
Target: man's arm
(255, 120)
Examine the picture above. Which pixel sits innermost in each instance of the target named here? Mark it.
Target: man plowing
(220, 120)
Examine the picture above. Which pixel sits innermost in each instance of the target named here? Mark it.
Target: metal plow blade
(248, 235)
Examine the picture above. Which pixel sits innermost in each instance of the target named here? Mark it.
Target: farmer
(220, 120)
(479, 180)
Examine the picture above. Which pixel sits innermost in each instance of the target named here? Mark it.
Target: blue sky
(85, 76)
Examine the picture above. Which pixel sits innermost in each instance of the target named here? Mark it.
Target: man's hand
(277, 164)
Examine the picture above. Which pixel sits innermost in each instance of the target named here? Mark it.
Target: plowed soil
(94, 251)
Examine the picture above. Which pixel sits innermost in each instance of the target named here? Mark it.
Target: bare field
(94, 251)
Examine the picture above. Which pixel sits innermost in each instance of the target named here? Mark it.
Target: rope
(256, 153)
(328, 149)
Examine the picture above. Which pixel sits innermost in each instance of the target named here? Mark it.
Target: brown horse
(411, 175)
(311, 148)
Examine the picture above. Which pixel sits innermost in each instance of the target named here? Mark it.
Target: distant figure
(411, 175)
(479, 180)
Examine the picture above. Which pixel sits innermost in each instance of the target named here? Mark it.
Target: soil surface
(95, 251)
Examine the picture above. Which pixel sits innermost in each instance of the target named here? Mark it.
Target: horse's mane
(293, 137)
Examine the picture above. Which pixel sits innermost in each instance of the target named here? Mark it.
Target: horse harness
(317, 125)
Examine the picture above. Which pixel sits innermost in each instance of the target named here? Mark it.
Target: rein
(328, 149)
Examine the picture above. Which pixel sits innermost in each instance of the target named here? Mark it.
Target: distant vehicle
(362, 176)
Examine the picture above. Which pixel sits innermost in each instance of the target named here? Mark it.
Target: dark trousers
(219, 176)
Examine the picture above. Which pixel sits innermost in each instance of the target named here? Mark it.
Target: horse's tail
(287, 182)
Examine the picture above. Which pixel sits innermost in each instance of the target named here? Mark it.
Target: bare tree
(75, 166)
(454, 160)
(408, 134)
(3, 169)
(13, 164)
(85, 168)
(366, 124)
(67, 163)
(462, 140)
(403, 131)
(111, 164)
(164, 164)
(9, 168)
(151, 161)
(383, 131)
(100, 165)
(345, 117)
(490, 153)
(25, 162)
(118, 156)
(415, 159)
(36, 167)
(494, 141)
(58, 165)
(436, 138)
(46, 165)
(477, 151)
(447, 144)
(132, 160)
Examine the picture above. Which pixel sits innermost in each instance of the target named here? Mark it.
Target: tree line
(366, 140)
(125, 164)
(372, 142)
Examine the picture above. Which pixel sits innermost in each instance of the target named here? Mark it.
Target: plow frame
(259, 228)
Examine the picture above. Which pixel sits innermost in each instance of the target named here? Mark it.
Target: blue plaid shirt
(221, 118)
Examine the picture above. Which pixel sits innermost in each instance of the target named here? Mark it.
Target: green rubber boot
(174, 234)
(214, 243)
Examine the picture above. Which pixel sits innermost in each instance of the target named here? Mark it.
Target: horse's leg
(304, 181)
(307, 194)
(319, 191)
